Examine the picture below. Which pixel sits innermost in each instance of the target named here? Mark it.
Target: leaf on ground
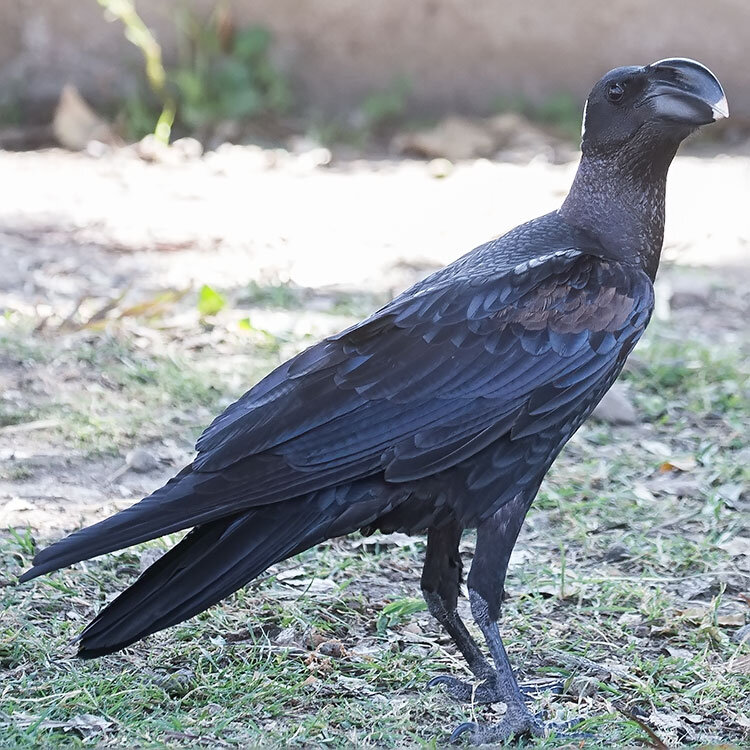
(679, 653)
(693, 718)
(683, 463)
(643, 493)
(731, 491)
(656, 447)
(83, 724)
(701, 615)
(732, 620)
(399, 611)
(210, 301)
(354, 685)
(661, 631)
(696, 615)
(385, 540)
(154, 307)
(665, 720)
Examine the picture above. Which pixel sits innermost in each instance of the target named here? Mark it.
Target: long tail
(210, 563)
(215, 559)
(124, 529)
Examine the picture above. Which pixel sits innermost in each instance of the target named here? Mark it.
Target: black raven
(440, 412)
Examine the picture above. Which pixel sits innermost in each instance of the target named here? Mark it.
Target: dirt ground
(104, 351)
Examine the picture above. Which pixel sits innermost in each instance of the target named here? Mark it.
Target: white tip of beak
(721, 108)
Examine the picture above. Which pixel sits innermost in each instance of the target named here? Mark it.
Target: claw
(517, 722)
(560, 729)
(531, 690)
(467, 726)
(441, 679)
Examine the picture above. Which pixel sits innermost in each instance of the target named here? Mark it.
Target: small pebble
(188, 148)
(141, 461)
(331, 648)
(616, 407)
(616, 553)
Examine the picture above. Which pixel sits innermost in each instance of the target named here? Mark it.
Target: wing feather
(423, 385)
(440, 369)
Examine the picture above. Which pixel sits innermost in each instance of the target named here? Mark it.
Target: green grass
(150, 384)
(622, 584)
(114, 393)
(288, 296)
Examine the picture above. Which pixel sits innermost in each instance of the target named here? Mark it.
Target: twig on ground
(656, 741)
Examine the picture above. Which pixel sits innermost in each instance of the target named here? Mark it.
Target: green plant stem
(140, 35)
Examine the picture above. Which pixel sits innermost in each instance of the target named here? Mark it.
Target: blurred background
(193, 191)
(334, 54)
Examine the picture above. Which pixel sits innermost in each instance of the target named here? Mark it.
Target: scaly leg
(441, 578)
(495, 540)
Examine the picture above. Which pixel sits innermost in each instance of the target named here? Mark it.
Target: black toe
(461, 729)
(534, 688)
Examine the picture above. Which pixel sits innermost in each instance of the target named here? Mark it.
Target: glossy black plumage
(440, 412)
(468, 375)
(443, 405)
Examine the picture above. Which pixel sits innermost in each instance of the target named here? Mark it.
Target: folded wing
(422, 385)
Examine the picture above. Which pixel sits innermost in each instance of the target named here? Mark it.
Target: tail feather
(219, 556)
(209, 564)
(115, 532)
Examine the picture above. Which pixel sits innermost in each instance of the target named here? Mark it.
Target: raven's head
(664, 101)
(633, 123)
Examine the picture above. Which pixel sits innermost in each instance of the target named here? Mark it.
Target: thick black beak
(685, 92)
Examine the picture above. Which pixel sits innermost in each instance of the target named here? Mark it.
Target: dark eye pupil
(615, 92)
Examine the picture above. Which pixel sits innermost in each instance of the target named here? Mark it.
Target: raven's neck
(618, 196)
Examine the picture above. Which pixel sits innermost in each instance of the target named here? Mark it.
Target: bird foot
(517, 722)
(488, 690)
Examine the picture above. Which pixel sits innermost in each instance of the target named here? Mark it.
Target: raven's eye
(615, 92)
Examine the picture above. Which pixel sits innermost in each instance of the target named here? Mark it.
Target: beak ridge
(686, 91)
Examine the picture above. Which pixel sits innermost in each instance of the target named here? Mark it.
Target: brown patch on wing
(565, 309)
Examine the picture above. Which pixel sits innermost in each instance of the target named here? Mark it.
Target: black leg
(441, 579)
(496, 538)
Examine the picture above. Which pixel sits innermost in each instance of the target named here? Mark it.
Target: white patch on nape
(583, 120)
